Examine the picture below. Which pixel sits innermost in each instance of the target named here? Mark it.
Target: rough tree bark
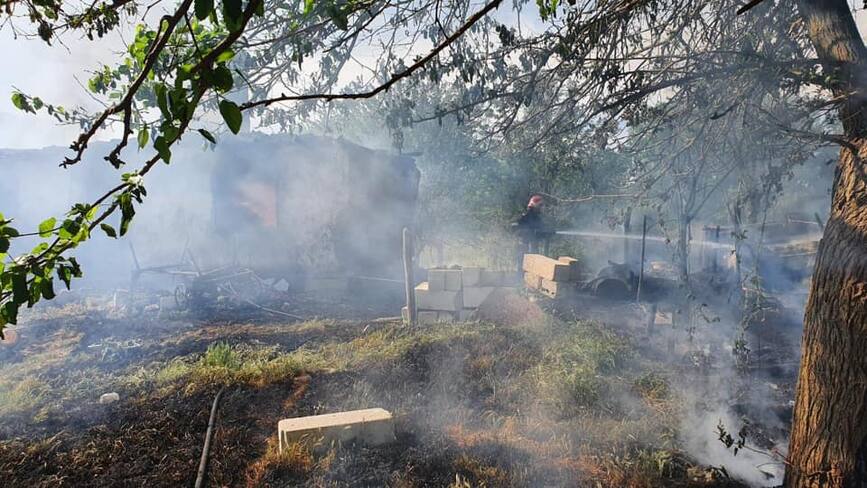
(828, 444)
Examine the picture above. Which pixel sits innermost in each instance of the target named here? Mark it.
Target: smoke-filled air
(433, 243)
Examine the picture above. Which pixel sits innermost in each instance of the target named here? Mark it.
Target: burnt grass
(458, 423)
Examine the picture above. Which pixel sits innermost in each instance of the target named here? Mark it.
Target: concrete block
(471, 276)
(474, 296)
(453, 280)
(427, 317)
(574, 270)
(555, 289)
(663, 318)
(427, 299)
(532, 281)
(404, 314)
(545, 267)
(372, 426)
(436, 279)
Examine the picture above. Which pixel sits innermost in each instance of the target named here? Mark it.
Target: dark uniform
(530, 230)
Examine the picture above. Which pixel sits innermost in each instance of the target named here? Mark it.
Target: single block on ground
(373, 426)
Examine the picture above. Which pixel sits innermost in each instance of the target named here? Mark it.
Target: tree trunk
(828, 444)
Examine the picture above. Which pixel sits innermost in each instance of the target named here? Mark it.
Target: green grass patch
(242, 364)
(577, 368)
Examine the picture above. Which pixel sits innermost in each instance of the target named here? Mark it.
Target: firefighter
(529, 228)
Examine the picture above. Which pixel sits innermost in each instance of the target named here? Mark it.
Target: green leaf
(163, 150)
(9, 231)
(127, 211)
(39, 248)
(223, 79)
(20, 101)
(204, 8)
(19, 287)
(9, 312)
(46, 227)
(69, 229)
(109, 230)
(232, 115)
(338, 16)
(162, 100)
(225, 56)
(4, 244)
(308, 6)
(65, 274)
(207, 135)
(260, 7)
(143, 135)
(232, 13)
(35, 292)
(47, 286)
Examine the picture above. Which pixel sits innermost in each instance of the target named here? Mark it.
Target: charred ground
(554, 397)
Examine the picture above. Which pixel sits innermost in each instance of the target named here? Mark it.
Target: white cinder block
(473, 297)
(453, 280)
(436, 279)
(426, 299)
(471, 276)
(373, 426)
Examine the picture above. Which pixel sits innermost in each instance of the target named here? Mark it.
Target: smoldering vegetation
(590, 391)
(270, 264)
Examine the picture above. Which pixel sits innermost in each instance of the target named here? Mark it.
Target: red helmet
(535, 201)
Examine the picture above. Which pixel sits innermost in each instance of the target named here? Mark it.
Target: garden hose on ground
(203, 462)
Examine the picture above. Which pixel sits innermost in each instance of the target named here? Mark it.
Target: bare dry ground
(540, 401)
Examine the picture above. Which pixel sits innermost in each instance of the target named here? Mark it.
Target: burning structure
(312, 205)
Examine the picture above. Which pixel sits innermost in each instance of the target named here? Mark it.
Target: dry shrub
(294, 461)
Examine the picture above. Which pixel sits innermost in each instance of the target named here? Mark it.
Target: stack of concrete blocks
(555, 278)
(451, 295)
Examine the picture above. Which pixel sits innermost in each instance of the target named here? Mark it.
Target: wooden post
(408, 275)
(716, 252)
(641, 269)
(651, 320)
(627, 224)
